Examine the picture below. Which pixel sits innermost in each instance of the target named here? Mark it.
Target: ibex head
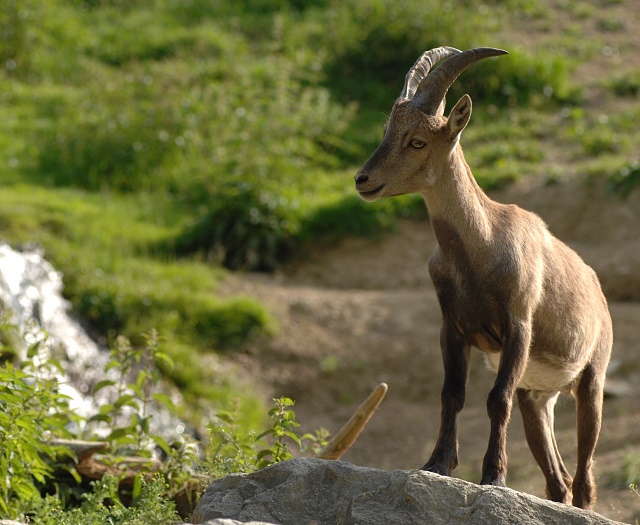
(418, 138)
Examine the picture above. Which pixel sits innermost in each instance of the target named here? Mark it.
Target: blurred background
(188, 166)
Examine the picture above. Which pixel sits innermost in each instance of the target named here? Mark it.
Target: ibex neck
(457, 200)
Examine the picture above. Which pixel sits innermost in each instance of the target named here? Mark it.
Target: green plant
(627, 474)
(243, 227)
(625, 179)
(626, 85)
(103, 505)
(374, 43)
(634, 489)
(32, 410)
(281, 432)
(135, 397)
(96, 141)
(236, 449)
(232, 446)
(346, 215)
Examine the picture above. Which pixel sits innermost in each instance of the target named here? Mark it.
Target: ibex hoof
(437, 468)
(497, 482)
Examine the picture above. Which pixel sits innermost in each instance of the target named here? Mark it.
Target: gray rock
(222, 521)
(308, 490)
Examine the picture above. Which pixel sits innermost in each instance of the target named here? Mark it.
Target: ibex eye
(417, 144)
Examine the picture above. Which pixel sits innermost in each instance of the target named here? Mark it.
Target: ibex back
(504, 283)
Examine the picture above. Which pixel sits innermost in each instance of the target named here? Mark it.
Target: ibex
(505, 285)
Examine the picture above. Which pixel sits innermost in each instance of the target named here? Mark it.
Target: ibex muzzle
(505, 285)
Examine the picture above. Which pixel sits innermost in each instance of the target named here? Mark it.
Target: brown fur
(508, 287)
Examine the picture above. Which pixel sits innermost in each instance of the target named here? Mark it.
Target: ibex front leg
(515, 351)
(455, 355)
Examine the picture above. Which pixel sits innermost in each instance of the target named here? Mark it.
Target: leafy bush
(102, 505)
(31, 410)
(243, 227)
(346, 215)
(228, 324)
(374, 43)
(518, 79)
(627, 85)
(234, 449)
(625, 179)
(272, 134)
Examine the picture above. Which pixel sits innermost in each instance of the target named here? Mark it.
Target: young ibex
(504, 283)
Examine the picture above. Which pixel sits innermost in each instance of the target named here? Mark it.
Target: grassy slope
(139, 142)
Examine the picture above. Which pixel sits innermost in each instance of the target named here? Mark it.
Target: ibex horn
(432, 88)
(422, 66)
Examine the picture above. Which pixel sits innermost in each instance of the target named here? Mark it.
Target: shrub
(243, 227)
(374, 43)
(228, 324)
(626, 85)
(625, 179)
(31, 410)
(235, 449)
(102, 505)
(272, 134)
(346, 215)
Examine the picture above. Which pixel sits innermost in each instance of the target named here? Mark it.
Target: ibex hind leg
(537, 416)
(589, 396)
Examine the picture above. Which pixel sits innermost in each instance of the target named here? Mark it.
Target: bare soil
(362, 312)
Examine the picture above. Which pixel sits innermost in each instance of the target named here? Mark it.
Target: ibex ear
(459, 117)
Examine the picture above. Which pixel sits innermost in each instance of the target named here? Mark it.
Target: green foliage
(177, 297)
(229, 324)
(103, 505)
(234, 449)
(627, 474)
(519, 79)
(128, 415)
(283, 424)
(625, 179)
(375, 42)
(343, 215)
(242, 227)
(627, 85)
(97, 140)
(32, 410)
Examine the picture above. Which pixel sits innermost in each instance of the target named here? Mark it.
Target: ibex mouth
(367, 195)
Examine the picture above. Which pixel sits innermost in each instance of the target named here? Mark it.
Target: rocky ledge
(320, 492)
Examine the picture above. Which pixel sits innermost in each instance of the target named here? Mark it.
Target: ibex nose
(361, 177)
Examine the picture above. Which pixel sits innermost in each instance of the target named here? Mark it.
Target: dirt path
(365, 311)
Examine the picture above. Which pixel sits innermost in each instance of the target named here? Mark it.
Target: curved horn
(422, 66)
(432, 89)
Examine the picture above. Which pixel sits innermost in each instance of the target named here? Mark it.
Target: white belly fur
(542, 377)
